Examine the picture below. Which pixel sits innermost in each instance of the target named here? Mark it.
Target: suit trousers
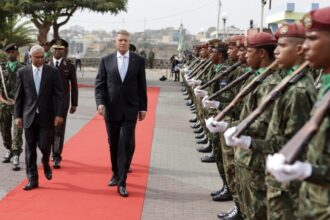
(120, 138)
(57, 147)
(41, 137)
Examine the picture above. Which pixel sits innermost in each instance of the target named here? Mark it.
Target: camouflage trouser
(314, 202)
(228, 158)
(218, 156)
(14, 143)
(251, 192)
(282, 205)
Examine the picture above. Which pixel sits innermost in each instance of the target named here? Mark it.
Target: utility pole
(263, 2)
(218, 23)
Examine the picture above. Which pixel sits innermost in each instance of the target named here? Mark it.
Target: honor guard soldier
(314, 197)
(7, 92)
(69, 80)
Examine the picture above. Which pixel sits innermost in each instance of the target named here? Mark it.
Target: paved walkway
(179, 184)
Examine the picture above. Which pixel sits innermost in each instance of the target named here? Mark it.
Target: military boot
(225, 195)
(7, 157)
(16, 166)
(235, 214)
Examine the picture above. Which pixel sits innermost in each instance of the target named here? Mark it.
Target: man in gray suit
(121, 97)
(38, 109)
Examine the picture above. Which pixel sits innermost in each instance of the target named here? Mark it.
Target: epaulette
(69, 61)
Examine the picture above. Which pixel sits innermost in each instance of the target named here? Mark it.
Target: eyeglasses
(38, 57)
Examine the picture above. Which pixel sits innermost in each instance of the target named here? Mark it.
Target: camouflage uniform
(250, 164)
(290, 112)
(227, 151)
(13, 144)
(314, 198)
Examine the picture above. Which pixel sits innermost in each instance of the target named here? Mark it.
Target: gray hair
(36, 48)
(123, 32)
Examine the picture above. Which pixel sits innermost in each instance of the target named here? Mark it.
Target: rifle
(232, 84)
(246, 90)
(8, 100)
(226, 72)
(191, 65)
(203, 71)
(196, 70)
(294, 148)
(318, 79)
(270, 98)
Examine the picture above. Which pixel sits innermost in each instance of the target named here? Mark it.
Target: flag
(181, 47)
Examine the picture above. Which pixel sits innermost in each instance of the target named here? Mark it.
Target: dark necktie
(56, 64)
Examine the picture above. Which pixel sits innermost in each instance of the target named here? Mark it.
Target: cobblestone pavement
(179, 184)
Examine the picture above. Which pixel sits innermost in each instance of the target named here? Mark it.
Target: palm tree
(14, 31)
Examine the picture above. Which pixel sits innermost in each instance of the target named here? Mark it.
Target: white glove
(197, 82)
(215, 126)
(210, 104)
(199, 92)
(285, 172)
(243, 141)
(274, 162)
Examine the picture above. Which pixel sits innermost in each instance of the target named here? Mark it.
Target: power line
(149, 20)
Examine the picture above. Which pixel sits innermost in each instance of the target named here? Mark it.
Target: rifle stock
(203, 71)
(217, 77)
(198, 68)
(294, 148)
(270, 98)
(232, 84)
(246, 90)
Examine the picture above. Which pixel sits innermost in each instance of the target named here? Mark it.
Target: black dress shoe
(198, 131)
(196, 125)
(208, 159)
(31, 185)
(202, 141)
(122, 191)
(193, 120)
(16, 166)
(57, 164)
(201, 135)
(225, 195)
(48, 171)
(7, 157)
(129, 170)
(113, 181)
(187, 98)
(234, 214)
(216, 192)
(205, 149)
(189, 103)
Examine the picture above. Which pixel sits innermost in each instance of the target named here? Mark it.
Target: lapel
(31, 80)
(43, 78)
(114, 68)
(131, 61)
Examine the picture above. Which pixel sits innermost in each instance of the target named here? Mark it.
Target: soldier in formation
(260, 100)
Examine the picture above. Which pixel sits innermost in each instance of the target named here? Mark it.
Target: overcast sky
(195, 14)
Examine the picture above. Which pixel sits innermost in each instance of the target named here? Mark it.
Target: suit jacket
(123, 100)
(27, 101)
(68, 77)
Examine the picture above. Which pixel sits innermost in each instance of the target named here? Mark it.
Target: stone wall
(94, 62)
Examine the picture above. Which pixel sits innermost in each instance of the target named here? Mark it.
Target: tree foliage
(47, 13)
(13, 30)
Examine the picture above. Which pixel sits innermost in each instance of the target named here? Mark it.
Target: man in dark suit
(36, 111)
(68, 78)
(121, 97)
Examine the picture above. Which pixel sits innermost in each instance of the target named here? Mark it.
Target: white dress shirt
(122, 60)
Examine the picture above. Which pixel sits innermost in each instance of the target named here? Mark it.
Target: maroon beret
(261, 39)
(233, 39)
(291, 30)
(317, 20)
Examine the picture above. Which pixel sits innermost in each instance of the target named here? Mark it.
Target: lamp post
(218, 22)
(224, 18)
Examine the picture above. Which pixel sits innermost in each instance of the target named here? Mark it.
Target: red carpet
(79, 190)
